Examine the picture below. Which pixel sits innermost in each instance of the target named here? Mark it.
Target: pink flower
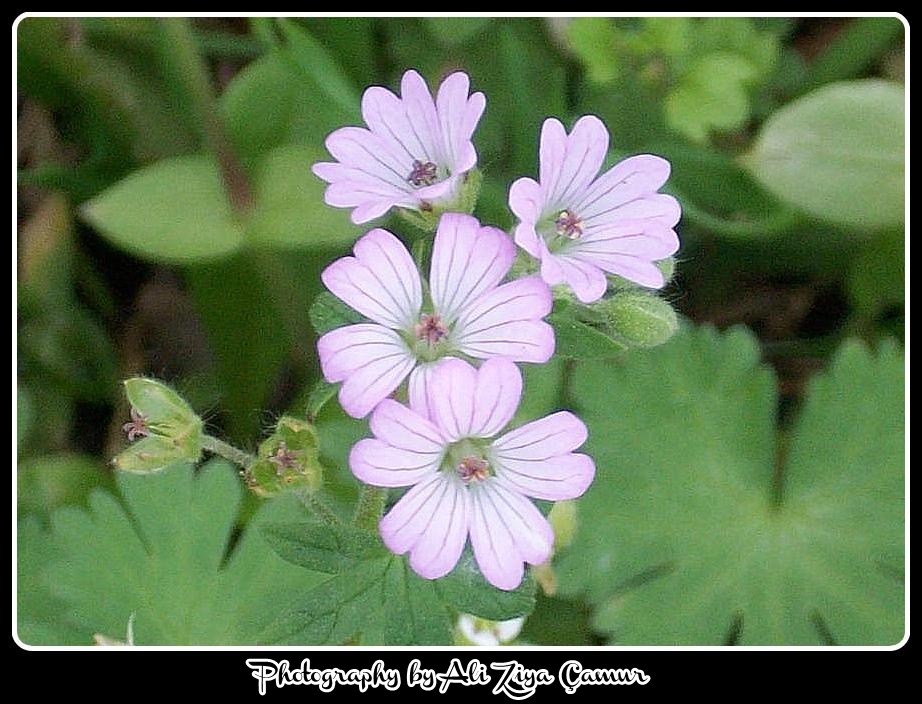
(413, 154)
(466, 311)
(580, 226)
(466, 481)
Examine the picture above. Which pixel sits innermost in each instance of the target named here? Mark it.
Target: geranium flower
(580, 226)
(465, 480)
(465, 312)
(413, 154)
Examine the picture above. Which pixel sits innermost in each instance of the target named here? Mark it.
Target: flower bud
(640, 319)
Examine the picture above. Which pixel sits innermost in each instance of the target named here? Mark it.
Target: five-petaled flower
(413, 155)
(465, 480)
(580, 226)
(465, 311)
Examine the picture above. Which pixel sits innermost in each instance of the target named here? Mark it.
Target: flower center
(569, 225)
(423, 173)
(137, 427)
(473, 469)
(431, 329)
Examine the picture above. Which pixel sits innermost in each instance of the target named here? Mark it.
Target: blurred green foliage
(182, 150)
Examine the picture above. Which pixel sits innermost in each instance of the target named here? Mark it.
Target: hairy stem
(192, 76)
(227, 451)
(370, 507)
(313, 504)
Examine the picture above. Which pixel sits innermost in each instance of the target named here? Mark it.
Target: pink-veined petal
(467, 261)
(366, 387)
(499, 390)
(386, 115)
(439, 547)
(418, 388)
(556, 434)
(344, 350)
(526, 201)
(527, 238)
(553, 478)
(658, 207)
(585, 152)
(586, 279)
(381, 281)
(552, 153)
(627, 180)
(452, 387)
(379, 464)
(404, 428)
(422, 115)
(365, 151)
(506, 530)
(507, 322)
(651, 241)
(451, 105)
(434, 510)
(635, 269)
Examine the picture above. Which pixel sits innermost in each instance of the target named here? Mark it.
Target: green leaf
(413, 611)
(466, 589)
(246, 331)
(174, 211)
(290, 210)
(40, 617)
(313, 60)
(322, 547)
(338, 610)
(837, 153)
(328, 313)
(48, 482)
(593, 40)
(877, 275)
(854, 50)
(268, 105)
(687, 529)
(720, 196)
(711, 96)
(451, 31)
(162, 557)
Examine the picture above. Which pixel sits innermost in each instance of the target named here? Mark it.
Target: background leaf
(168, 564)
(174, 210)
(837, 153)
(688, 446)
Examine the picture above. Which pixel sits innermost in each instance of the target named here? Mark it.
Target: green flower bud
(170, 430)
(562, 518)
(288, 459)
(640, 319)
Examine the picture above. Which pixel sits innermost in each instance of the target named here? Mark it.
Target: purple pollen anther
(473, 469)
(137, 426)
(283, 458)
(430, 328)
(569, 225)
(423, 173)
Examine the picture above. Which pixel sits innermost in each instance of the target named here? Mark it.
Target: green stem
(318, 508)
(227, 451)
(192, 76)
(370, 507)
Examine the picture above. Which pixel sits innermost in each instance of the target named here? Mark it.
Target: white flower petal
(381, 281)
(467, 261)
